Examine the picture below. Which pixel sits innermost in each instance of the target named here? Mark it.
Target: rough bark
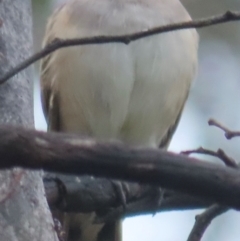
(24, 213)
(85, 194)
(70, 154)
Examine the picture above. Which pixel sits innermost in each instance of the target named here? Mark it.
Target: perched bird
(132, 93)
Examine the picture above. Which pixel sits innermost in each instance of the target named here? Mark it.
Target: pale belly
(131, 93)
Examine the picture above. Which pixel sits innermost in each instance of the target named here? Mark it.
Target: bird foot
(160, 197)
(122, 191)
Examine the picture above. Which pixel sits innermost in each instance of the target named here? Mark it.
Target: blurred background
(215, 94)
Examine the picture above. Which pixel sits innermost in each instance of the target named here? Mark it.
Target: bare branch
(228, 133)
(229, 16)
(229, 161)
(69, 154)
(85, 194)
(204, 220)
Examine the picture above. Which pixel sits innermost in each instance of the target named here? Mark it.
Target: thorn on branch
(231, 14)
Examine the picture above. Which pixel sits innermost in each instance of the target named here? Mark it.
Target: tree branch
(227, 160)
(204, 220)
(69, 154)
(228, 133)
(85, 194)
(229, 16)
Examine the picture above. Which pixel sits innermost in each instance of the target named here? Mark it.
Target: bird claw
(160, 197)
(122, 191)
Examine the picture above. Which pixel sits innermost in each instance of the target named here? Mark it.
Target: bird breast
(134, 92)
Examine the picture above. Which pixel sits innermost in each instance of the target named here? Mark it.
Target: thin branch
(228, 133)
(70, 154)
(228, 161)
(229, 16)
(204, 220)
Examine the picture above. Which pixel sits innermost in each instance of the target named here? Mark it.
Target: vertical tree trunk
(24, 213)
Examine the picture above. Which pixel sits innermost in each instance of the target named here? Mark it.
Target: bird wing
(164, 143)
(49, 96)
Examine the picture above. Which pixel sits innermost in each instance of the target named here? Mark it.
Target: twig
(204, 220)
(228, 161)
(229, 16)
(228, 133)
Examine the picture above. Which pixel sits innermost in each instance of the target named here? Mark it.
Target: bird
(131, 93)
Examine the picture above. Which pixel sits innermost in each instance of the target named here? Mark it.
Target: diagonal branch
(229, 134)
(229, 16)
(204, 220)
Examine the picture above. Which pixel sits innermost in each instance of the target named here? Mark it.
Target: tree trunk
(24, 213)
